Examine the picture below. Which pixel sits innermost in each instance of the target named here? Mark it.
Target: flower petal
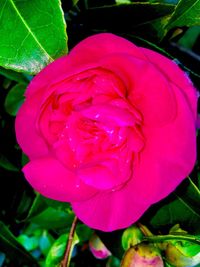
(147, 88)
(25, 125)
(50, 178)
(174, 74)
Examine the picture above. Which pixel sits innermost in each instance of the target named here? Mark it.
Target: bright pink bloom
(110, 128)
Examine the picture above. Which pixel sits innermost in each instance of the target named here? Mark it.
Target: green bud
(97, 248)
(183, 254)
(142, 255)
(131, 237)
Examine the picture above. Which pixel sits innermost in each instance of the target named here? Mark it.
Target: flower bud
(131, 237)
(183, 255)
(142, 255)
(97, 248)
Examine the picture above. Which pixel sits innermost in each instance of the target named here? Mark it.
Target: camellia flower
(109, 128)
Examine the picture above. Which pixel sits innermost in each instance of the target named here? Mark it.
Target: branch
(66, 258)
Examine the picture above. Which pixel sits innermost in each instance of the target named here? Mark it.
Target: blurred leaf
(181, 207)
(45, 242)
(113, 262)
(2, 258)
(6, 164)
(29, 243)
(29, 43)
(14, 99)
(190, 37)
(13, 75)
(24, 159)
(37, 207)
(75, 2)
(13, 249)
(24, 205)
(57, 250)
(84, 232)
(186, 13)
(123, 1)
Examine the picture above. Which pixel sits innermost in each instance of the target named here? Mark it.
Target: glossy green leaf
(14, 99)
(57, 250)
(181, 207)
(6, 164)
(32, 34)
(13, 249)
(53, 219)
(126, 17)
(190, 37)
(185, 14)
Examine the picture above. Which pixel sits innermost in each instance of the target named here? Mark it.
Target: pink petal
(101, 177)
(109, 211)
(173, 149)
(94, 48)
(148, 90)
(50, 178)
(28, 138)
(174, 74)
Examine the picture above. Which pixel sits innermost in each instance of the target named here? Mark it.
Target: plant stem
(66, 258)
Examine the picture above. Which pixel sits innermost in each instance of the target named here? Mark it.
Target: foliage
(33, 229)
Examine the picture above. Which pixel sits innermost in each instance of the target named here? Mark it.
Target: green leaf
(53, 219)
(29, 243)
(186, 13)
(45, 242)
(143, 19)
(181, 207)
(190, 37)
(57, 250)
(6, 164)
(13, 75)
(14, 99)
(30, 42)
(37, 207)
(113, 262)
(13, 249)
(65, 206)
(84, 232)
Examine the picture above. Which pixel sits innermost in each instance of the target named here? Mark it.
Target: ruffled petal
(110, 211)
(174, 74)
(147, 88)
(51, 179)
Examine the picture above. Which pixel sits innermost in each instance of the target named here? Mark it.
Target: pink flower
(110, 128)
